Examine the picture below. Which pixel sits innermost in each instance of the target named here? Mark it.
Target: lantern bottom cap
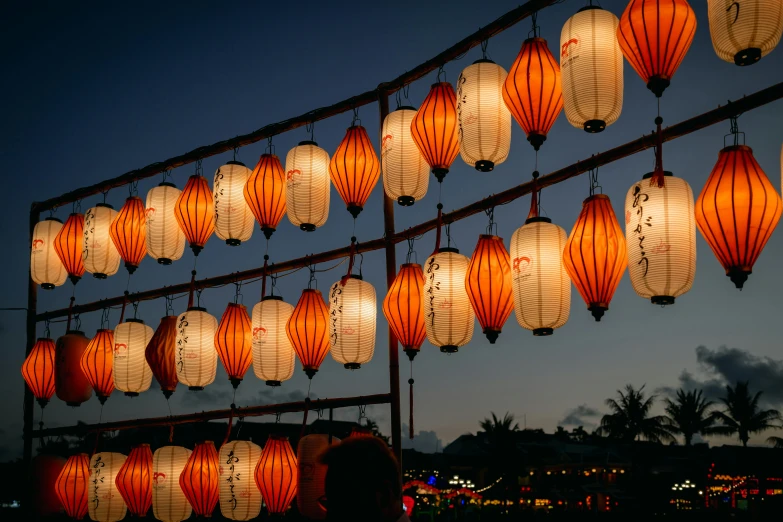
(411, 353)
(738, 276)
(196, 249)
(492, 334)
(595, 126)
(235, 381)
(74, 279)
(543, 332)
(598, 311)
(662, 300)
(73, 404)
(274, 383)
(449, 348)
(310, 372)
(131, 394)
(131, 268)
(99, 275)
(355, 210)
(485, 166)
(307, 227)
(47, 286)
(233, 242)
(268, 231)
(440, 173)
(195, 388)
(536, 140)
(747, 56)
(406, 201)
(658, 84)
(102, 399)
(352, 366)
(42, 402)
(167, 393)
(164, 261)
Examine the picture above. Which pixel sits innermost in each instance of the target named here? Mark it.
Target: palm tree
(743, 416)
(688, 416)
(503, 455)
(777, 442)
(630, 417)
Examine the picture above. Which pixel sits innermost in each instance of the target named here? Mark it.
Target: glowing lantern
(233, 342)
(233, 218)
(196, 358)
(168, 500)
(434, 129)
(311, 474)
(402, 308)
(654, 36)
(70, 383)
(100, 256)
(743, 32)
(448, 316)
(488, 282)
(660, 233)
(160, 354)
(165, 240)
(239, 496)
(195, 212)
(199, 479)
(134, 480)
(352, 312)
(43, 474)
(276, 474)
(354, 169)
(484, 119)
(97, 363)
(72, 485)
(595, 254)
(265, 193)
(591, 64)
(46, 269)
(737, 210)
(307, 185)
(69, 245)
(359, 432)
(408, 504)
(38, 370)
(132, 374)
(128, 232)
(273, 355)
(532, 90)
(308, 330)
(406, 175)
(103, 498)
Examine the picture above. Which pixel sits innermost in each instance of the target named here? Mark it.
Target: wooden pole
(29, 403)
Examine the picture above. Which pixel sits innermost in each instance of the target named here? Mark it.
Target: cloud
(275, 395)
(580, 416)
(211, 397)
(423, 441)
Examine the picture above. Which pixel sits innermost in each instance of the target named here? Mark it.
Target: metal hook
(411, 240)
(491, 215)
(135, 309)
(238, 296)
(442, 71)
(355, 117)
(310, 127)
(236, 151)
(484, 45)
(47, 333)
(199, 170)
(312, 277)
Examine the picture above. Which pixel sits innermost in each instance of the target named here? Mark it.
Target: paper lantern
(233, 342)
(239, 495)
(72, 485)
(128, 232)
(484, 120)
(165, 240)
(352, 313)
(743, 32)
(43, 472)
(38, 370)
(434, 129)
(196, 358)
(195, 212)
(308, 330)
(100, 256)
(134, 480)
(277, 475)
(359, 432)
(70, 383)
(737, 211)
(97, 363)
(488, 282)
(542, 289)
(233, 218)
(132, 374)
(591, 64)
(402, 308)
(265, 193)
(273, 355)
(312, 474)
(654, 36)
(406, 175)
(595, 255)
(199, 479)
(532, 90)
(69, 245)
(408, 504)
(46, 269)
(307, 185)
(104, 501)
(660, 233)
(448, 315)
(168, 500)
(160, 354)
(354, 169)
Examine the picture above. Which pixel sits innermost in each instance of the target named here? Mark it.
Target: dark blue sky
(96, 89)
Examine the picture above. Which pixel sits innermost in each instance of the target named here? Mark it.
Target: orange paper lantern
(128, 232)
(488, 283)
(277, 474)
(355, 169)
(69, 245)
(654, 36)
(234, 342)
(38, 370)
(97, 363)
(737, 211)
(595, 255)
(308, 330)
(199, 479)
(402, 308)
(265, 193)
(434, 128)
(134, 480)
(70, 383)
(71, 486)
(195, 212)
(160, 354)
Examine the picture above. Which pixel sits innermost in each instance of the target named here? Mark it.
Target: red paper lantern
(44, 472)
(38, 370)
(265, 193)
(70, 383)
(195, 212)
(488, 282)
(277, 474)
(71, 485)
(199, 479)
(97, 363)
(308, 330)
(355, 169)
(160, 354)
(434, 128)
(128, 232)
(402, 308)
(234, 342)
(134, 480)
(69, 245)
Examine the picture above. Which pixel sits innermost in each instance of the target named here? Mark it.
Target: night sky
(92, 90)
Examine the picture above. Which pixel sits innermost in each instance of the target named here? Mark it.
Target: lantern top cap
(167, 184)
(52, 218)
(207, 442)
(143, 444)
(448, 250)
(72, 214)
(237, 305)
(490, 236)
(278, 437)
(405, 108)
(538, 219)
(103, 205)
(589, 7)
(134, 320)
(594, 197)
(197, 176)
(732, 148)
(132, 197)
(355, 276)
(308, 142)
(313, 290)
(74, 332)
(650, 174)
(103, 330)
(439, 84)
(410, 265)
(272, 298)
(355, 127)
(484, 60)
(232, 162)
(535, 39)
(196, 309)
(43, 339)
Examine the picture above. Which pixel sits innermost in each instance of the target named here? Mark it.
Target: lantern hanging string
(166, 175)
(734, 132)
(535, 208)
(411, 252)
(592, 177)
(310, 128)
(198, 296)
(410, 416)
(133, 188)
(492, 227)
(484, 45)
(351, 256)
(169, 305)
(236, 152)
(77, 206)
(312, 278)
(442, 71)
(304, 416)
(124, 304)
(355, 120)
(658, 178)
(192, 288)
(270, 148)
(263, 276)
(230, 421)
(105, 193)
(135, 309)
(105, 318)
(171, 432)
(273, 278)
(536, 31)
(47, 333)
(238, 297)
(438, 228)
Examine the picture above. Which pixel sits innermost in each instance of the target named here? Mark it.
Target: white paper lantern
(310, 489)
(406, 175)
(169, 503)
(484, 120)
(240, 498)
(660, 232)
(101, 258)
(591, 65)
(352, 314)
(273, 355)
(542, 288)
(132, 374)
(46, 269)
(234, 221)
(165, 240)
(448, 315)
(104, 501)
(195, 351)
(744, 32)
(307, 185)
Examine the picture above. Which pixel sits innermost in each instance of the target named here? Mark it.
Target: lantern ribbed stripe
(98, 363)
(233, 341)
(591, 65)
(739, 27)
(70, 383)
(277, 474)
(160, 354)
(69, 245)
(308, 330)
(199, 479)
(405, 171)
(434, 128)
(46, 269)
(72, 484)
(165, 240)
(103, 498)
(273, 356)
(265, 192)
(488, 283)
(312, 474)
(128, 232)
(132, 373)
(134, 480)
(354, 168)
(234, 220)
(195, 212)
(402, 307)
(38, 370)
(307, 185)
(448, 315)
(352, 317)
(196, 357)
(168, 500)
(240, 498)
(100, 256)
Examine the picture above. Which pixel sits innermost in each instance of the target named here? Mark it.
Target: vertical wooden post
(29, 403)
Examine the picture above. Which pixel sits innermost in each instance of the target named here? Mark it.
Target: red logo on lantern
(150, 213)
(38, 244)
(446, 303)
(259, 333)
(470, 119)
(159, 478)
(348, 330)
(191, 355)
(661, 248)
(565, 47)
(386, 141)
(120, 350)
(292, 173)
(522, 265)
